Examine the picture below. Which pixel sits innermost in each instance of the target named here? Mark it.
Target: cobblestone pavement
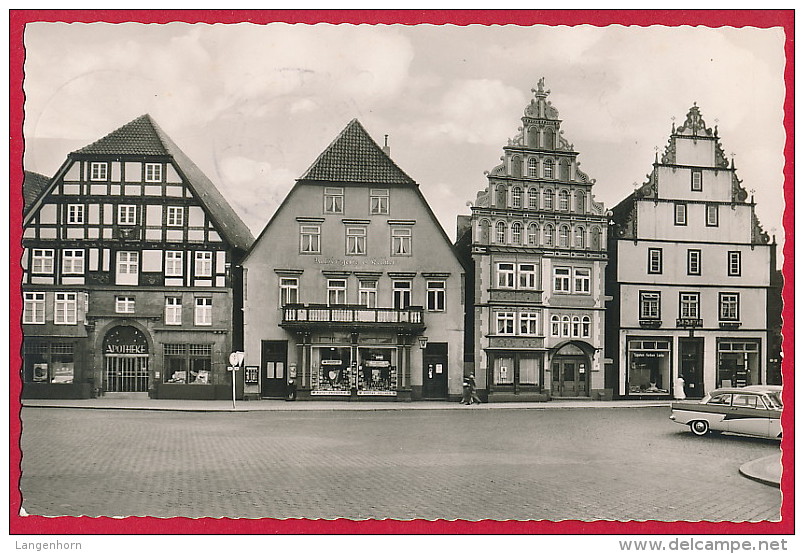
(592, 464)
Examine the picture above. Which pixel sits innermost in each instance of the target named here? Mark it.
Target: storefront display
(332, 369)
(49, 362)
(376, 372)
(649, 366)
(737, 362)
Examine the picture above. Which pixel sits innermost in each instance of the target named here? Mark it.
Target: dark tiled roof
(32, 187)
(139, 137)
(144, 137)
(354, 157)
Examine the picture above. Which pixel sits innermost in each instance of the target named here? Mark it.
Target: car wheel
(699, 427)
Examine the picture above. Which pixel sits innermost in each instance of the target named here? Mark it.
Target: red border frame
(148, 525)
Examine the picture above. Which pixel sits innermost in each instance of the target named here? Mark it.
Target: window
(378, 203)
(516, 233)
(49, 362)
(549, 234)
(172, 310)
(681, 214)
(561, 279)
(527, 276)
(712, 215)
(548, 169)
(576, 326)
(436, 296)
(203, 264)
(367, 293)
(505, 323)
(533, 234)
(356, 241)
(203, 311)
(580, 202)
(735, 264)
(153, 173)
(586, 326)
(188, 364)
(580, 237)
(126, 214)
(401, 294)
(563, 200)
(174, 263)
(124, 304)
(175, 216)
(401, 241)
(500, 234)
(563, 236)
(697, 180)
(66, 308)
(533, 198)
(729, 306)
(33, 308)
(98, 171)
(693, 262)
(333, 200)
(555, 326)
(654, 260)
(528, 323)
(565, 326)
(505, 275)
(533, 167)
(336, 292)
(288, 291)
(516, 197)
(548, 199)
(72, 262)
(689, 303)
(42, 261)
(501, 197)
(649, 305)
(128, 265)
(583, 280)
(310, 239)
(75, 214)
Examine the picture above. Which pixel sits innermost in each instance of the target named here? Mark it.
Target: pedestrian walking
(678, 391)
(473, 397)
(467, 390)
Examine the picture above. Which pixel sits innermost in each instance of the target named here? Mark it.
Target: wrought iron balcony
(349, 316)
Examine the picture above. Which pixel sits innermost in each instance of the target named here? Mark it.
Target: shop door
(274, 361)
(569, 376)
(691, 370)
(434, 381)
(126, 373)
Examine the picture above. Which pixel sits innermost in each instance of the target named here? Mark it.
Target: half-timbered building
(129, 273)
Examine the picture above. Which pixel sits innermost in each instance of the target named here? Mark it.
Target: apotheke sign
(345, 261)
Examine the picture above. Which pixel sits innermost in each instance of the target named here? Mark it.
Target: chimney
(386, 148)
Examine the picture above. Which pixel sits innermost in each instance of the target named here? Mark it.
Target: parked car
(754, 410)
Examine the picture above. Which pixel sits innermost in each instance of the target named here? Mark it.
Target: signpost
(235, 363)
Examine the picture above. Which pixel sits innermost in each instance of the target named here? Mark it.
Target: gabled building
(691, 273)
(536, 240)
(129, 273)
(352, 290)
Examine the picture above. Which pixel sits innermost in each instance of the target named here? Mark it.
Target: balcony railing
(299, 315)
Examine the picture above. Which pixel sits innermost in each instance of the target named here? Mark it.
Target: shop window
(288, 291)
(203, 264)
(98, 171)
(174, 263)
(49, 362)
(203, 311)
(504, 371)
(188, 364)
(126, 214)
(402, 294)
(649, 366)
(75, 214)
(654, 260)
(500, 232)
(336, 292)
(693, 262)
(436, 296)
(172, 310)
(333, 200)
(356, 241)
(378, 201)
(72, 262)
(401, 241)
(42, 261)
(680, 214)
(124, 304)
(367, 293)
(516, 233)
(506, 275)
(153, 173)
(331, 370)
(712, 215)
(310, 239)
(376, 371)
(516, 197)
(738, 363)
(735, 264)
(175, 216)
(729, 306)
(561, 279)
(33, 309)
(649, 305)
(505, 323)
(65, 308)
(529, 370)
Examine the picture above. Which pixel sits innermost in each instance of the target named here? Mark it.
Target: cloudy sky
(254, 105)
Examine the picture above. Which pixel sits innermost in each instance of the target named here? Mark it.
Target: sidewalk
(324, 405)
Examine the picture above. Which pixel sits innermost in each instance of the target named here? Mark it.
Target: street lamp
(422, 342)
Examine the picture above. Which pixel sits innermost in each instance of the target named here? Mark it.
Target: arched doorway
(125, 360)
(570, 372)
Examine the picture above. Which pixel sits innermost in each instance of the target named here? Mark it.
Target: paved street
(555, 464)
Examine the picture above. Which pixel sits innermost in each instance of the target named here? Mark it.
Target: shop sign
(125, 340)
(689, 322)
(649, 354)
(346, 262)
(377, 363)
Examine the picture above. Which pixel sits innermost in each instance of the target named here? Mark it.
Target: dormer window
(153, 173)
(99, 171)
(333, 200)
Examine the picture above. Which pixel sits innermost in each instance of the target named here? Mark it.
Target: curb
(767, 470)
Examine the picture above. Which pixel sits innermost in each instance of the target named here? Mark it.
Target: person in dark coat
(473, 397)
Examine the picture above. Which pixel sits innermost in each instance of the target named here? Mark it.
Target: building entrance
(274, 360)
(570, 372)
(691, 370)
(126, 357)
(434, 380)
